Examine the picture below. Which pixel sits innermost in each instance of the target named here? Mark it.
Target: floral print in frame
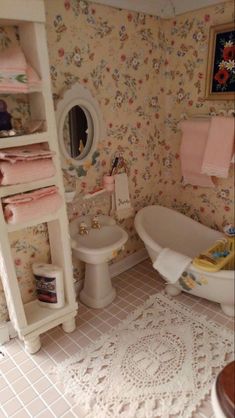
(221, 63)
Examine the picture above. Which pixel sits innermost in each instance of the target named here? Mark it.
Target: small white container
(49, 285)
(108, 182)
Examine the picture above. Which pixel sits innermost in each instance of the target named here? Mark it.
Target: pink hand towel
(17, 213)
(13, 68)
(192, 151)
(220, 147)
(25, 171)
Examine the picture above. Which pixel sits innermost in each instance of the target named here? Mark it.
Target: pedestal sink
(96, 249)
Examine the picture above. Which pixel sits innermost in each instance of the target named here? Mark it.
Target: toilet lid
(225, 388)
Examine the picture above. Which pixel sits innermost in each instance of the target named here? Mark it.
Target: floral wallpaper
(185, 76)
(116, 54)
(144, 72)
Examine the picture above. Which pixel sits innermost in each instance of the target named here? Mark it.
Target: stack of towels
(17, 76)
(32, 205)
(206, 149)
(25, 164)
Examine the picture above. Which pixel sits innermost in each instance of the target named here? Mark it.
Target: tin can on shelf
(49, 285)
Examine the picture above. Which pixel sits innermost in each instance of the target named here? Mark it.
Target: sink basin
(100, 244)
(96, 248)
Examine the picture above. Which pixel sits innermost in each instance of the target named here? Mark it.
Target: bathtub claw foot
(172, 290)
(228, 309)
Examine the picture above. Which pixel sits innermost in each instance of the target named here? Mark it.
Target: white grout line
(127, 278)
(16, 395)
(47, 407)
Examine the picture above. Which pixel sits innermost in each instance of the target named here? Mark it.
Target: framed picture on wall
(220, 76)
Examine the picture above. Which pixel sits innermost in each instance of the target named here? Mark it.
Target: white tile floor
(27, 389)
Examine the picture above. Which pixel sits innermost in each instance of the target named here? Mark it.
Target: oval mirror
(80, 125)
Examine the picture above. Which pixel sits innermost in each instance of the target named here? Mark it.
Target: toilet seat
(223, 392)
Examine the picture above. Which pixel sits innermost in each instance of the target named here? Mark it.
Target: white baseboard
(6, 332)
(128, 262)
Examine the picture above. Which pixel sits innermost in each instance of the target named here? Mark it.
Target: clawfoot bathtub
(160, 227)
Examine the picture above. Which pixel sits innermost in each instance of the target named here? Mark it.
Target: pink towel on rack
(16, 75)
(30, 206)
(25, 171)
(220, 147)
(192, 150)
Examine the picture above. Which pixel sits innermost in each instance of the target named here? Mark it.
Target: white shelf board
(21, 188)
(37, 315)
(17, 141)
(33, 222)
(15, 11)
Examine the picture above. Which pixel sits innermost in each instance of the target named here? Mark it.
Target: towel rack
(221, 112)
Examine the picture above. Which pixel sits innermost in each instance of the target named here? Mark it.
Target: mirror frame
(78, 95)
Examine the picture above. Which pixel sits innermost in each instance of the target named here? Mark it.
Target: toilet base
(215, 403)
(97, 291)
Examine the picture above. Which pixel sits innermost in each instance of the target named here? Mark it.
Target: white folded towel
(122, 198)
(171, 264)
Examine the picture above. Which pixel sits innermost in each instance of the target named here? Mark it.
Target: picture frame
(220, 75)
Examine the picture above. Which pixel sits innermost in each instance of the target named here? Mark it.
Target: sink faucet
(95, 224)
(83, 229)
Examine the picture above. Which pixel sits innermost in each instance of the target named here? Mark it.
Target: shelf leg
(32, 345)
(69, 325)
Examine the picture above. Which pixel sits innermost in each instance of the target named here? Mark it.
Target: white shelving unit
(31, 319)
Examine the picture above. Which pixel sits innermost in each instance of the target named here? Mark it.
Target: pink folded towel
(13, 70)
(16, 75)
(25, 171)
(25, 153)
(220, 147)
(20, 198)
(33, 79)
(192, 150)
(30, 206)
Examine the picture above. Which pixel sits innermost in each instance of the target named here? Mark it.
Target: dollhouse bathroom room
(117, 231)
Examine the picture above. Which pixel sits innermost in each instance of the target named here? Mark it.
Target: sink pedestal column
(98, 291)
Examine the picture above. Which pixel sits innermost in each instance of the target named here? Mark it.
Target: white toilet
(223, 392)
(96, 249)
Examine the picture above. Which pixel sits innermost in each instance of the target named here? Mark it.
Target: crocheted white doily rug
(159, 362)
